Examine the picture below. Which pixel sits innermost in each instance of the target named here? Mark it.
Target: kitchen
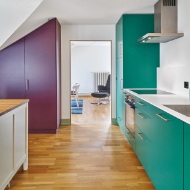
(173, 70)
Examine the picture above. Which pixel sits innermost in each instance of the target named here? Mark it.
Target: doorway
(89, 60)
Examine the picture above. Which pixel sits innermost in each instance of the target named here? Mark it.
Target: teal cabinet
(134, 61)
(120, 97)
(143, 121)
(131, 139)
(143, 145)
(186, 156)
(166, 150)
(159, 146)
(142, 105)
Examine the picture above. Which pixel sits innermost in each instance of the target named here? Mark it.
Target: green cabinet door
(119, 76)
(130, 138)
(119, 94)
(119, 38)
(186, 156)
(143, 150)
(166, 150)
(143, 125)
(142, 121)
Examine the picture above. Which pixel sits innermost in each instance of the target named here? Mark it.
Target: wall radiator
(100, 78)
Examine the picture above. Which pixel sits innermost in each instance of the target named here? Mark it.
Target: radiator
(100, 78)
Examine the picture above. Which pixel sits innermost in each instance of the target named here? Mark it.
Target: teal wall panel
(139, 60)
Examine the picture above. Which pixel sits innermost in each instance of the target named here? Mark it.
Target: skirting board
(65, 122)
(114, 121)
(68, 122)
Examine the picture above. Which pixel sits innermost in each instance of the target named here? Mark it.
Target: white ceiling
(13, 14)
(19, 17)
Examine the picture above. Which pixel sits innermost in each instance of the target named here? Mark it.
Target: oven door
(130, 117)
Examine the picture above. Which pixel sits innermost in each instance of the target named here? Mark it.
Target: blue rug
(74, 108)
(74, 104)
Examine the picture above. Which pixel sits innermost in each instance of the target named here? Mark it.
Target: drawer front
(143, 150)
(130, 139)
(143, 121)
(142, 105)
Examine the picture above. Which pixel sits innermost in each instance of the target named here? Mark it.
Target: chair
(103, 92)
(105, 88)
(74, 92)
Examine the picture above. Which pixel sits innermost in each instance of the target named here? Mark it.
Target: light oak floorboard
(91, 156)
(92, 114)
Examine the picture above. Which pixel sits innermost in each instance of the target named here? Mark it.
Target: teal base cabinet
(186, 156)
(143, 145)
(167, 151)
(159, 146)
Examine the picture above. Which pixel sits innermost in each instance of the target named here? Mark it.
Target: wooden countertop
(7, 105)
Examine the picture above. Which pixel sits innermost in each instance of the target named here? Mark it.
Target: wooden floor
(91, 156)
(92, 114)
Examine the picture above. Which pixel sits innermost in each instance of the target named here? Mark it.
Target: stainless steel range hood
(165, 23)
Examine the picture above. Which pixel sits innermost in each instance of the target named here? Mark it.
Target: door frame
(70, 41)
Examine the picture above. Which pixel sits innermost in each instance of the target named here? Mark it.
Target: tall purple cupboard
(12, 83)
(39, 76)
(42, 75)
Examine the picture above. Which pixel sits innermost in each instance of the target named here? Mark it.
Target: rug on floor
(74, 108)
(74, 104)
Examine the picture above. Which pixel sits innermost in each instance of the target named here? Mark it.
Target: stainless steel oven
(130, 114)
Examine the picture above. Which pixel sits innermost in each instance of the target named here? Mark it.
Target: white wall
(175, 55)
(88, 59)
(83, 32)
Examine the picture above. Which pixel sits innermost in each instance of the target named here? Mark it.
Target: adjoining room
(90, 70)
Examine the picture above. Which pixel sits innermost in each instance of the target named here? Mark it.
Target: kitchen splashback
(172, 79)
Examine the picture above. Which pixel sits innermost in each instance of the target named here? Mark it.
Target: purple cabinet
(41, 69)
(12, 83)
(35, 64)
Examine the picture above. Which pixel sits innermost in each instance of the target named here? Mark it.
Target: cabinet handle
(140, 103)
(165, 119)
(139, 134)
(140, 115)
(119, 118)
(27, 84)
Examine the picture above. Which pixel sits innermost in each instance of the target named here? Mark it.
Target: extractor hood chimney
(165, 23)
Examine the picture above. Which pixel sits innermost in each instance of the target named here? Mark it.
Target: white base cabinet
(13, 143)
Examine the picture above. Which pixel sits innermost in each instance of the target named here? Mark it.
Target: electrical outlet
(186, 84)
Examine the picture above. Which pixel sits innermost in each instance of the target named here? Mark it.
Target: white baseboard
(84, 94)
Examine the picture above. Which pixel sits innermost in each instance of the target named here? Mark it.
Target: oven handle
(141, 115)
(130, 104)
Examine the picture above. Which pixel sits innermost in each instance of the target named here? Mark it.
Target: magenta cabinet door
(41, 77)
(12, 83)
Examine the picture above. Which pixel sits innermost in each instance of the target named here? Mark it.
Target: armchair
(105, 88)
(103, 92)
